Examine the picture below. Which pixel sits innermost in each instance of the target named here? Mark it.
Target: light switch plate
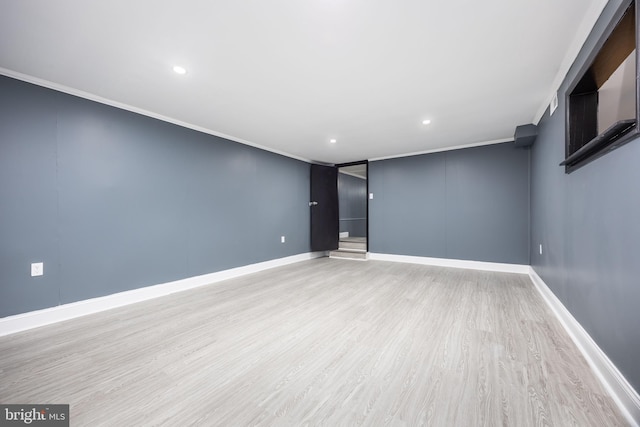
(37, 269)
(370, 196)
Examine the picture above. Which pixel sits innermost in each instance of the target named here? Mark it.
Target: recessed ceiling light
(333, 141)
(180, 70)
(426, 122)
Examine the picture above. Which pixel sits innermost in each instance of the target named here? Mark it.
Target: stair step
(353, 245)
(349, 254)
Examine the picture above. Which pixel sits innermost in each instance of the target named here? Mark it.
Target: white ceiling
(290, 75)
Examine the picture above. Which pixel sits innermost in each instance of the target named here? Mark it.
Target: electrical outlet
(282, 239)
(370, 196)
(37, 269)
(540, 248)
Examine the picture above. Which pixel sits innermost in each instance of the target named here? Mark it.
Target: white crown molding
(454, 263)
(440, 150)
(86, 95)
(613, 381)
(586, 26)
(34, 319)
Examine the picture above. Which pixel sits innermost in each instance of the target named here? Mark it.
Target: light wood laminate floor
(321, 342)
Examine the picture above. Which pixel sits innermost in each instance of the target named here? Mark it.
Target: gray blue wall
(470, 204)
(588, 223)
(110, 200)
(352, 200)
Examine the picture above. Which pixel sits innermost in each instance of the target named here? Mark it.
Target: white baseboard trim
(614, 382)
(454, 263)
(33, 319)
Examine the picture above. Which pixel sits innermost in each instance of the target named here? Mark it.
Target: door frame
(359, 162)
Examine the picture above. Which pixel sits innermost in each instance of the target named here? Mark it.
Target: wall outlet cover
(282, 239)
(37, 269)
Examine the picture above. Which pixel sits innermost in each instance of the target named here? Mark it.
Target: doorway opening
(353, 211)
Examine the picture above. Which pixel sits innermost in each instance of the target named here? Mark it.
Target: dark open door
(324, 208)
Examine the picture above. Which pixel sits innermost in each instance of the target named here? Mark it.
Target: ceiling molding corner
(586, 26)
(440, 150)
(91, 97)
